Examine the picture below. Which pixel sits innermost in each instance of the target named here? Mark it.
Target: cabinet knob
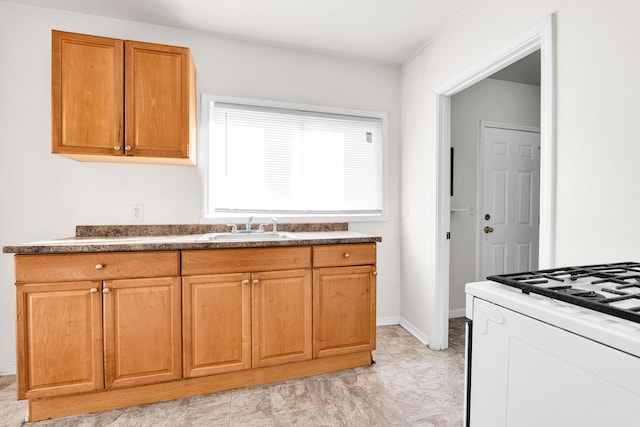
(99, 266)
(347, 255)
(93, 290)
(255, 281)
(106, 290)
(116, 147)
(375, 273)
(245, 282)
(127, 148)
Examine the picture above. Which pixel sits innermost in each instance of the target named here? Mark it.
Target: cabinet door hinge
(448, 235)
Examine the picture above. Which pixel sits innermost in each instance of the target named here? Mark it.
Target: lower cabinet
(142, 331)
(98, 331)
(344, 310)
(281, 317)
(235, 321)
(344, 299)
(89, 335)
(59, 339)
(217, 324)
(84, 336)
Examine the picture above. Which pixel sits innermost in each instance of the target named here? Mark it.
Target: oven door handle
(484, 316)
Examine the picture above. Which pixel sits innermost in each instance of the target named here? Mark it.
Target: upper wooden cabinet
(122, 101)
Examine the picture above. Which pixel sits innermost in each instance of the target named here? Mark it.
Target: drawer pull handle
(93, 290)
(375, 273)
(347, 255)
(99, 266)
(245, 282)
(256, 281)
(106, 290)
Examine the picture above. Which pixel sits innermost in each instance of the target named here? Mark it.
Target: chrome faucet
(247, 227)
(274, 225)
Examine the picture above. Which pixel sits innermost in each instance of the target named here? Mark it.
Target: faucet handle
(234, 228)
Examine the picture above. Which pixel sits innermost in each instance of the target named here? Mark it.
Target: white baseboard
(386, 321)
(414, 331)
(457, 313)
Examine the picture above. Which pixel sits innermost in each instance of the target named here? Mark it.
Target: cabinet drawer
(96, 266)
(243, 260)
(341, 255)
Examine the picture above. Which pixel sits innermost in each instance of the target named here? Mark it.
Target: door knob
(488, 229)
(487, 217)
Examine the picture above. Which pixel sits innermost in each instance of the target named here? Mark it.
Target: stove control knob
(488, 229)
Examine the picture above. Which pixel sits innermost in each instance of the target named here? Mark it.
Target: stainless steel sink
(281, 235)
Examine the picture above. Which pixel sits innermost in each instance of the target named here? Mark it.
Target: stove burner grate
(581, 286)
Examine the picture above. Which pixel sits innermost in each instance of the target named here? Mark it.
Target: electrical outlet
(137, 212)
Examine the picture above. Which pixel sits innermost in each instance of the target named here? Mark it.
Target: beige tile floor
(409, 385)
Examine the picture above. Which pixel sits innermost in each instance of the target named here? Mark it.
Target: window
(293, 160)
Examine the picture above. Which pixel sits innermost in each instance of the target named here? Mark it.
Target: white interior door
(509, 215)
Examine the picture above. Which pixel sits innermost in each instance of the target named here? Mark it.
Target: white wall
(490, 100)
(44, 196)
(597, 116)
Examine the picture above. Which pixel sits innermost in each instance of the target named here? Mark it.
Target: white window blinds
(281, 160)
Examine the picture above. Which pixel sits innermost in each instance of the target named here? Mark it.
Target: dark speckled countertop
(127, 238)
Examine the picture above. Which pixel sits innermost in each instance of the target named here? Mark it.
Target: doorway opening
(539, 38)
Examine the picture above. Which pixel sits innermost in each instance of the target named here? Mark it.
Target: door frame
(539, 37)
(481, 164)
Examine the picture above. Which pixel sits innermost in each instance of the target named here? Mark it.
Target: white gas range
(558, 347)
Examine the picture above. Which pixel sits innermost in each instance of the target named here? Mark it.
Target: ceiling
(388, 31)
(526, 71)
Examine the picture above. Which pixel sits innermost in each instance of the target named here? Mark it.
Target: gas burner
(599, 287)
(580, 293)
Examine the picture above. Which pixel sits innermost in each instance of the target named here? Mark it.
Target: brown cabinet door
(281, 317)
(216, 323)
(158, 100)
(344, 300)
(59, 338)
(87, 99)
(142, 331)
